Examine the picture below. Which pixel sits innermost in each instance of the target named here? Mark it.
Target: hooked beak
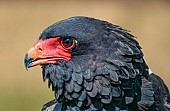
(34, 58)
(46, 52)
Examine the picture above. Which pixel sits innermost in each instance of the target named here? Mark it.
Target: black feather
(106, 72)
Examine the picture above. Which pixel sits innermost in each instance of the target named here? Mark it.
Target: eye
(68, 42)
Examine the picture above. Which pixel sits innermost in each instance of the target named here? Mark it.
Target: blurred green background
(22, 21)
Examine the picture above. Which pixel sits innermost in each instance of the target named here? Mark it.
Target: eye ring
(68, 42)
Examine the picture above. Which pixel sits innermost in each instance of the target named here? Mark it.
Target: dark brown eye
(68, 42)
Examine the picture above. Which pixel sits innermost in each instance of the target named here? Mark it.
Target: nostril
(40, 49)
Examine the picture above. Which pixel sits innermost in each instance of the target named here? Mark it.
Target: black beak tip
(27, 61)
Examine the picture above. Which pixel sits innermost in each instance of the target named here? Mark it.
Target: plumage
(94, 65)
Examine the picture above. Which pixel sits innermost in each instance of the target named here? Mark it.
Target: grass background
(22, 21)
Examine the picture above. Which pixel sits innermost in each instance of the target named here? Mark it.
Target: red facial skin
(49, 51)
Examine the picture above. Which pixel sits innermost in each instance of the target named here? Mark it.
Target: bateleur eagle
(94, 65)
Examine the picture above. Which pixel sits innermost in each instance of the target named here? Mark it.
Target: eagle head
(85, 58)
